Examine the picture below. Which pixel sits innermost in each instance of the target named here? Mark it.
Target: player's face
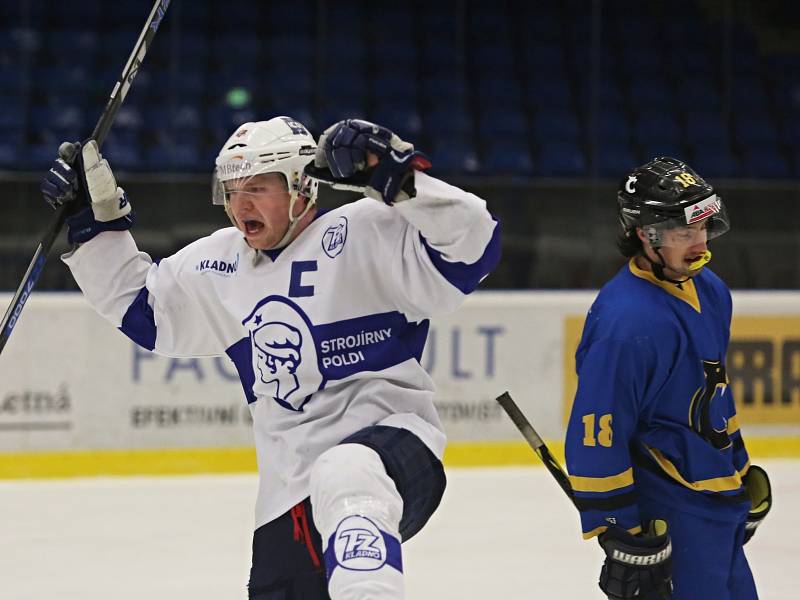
(680, 248)
(260, 208)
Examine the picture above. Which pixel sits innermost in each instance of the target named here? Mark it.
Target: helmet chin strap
(658, 267)
(293, 221)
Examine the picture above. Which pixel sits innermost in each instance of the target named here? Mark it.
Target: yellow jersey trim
(686, 292)
(602, 484)
(727, 483)
(597, 531)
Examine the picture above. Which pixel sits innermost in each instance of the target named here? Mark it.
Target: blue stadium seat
(12, 148)
(237, 44)
(440, 54)
(507, 123)
(755, 128)
(295, 48)
(556, 124)
(548, 94)
(712, 161)
(444, 89)
(561, 159)
(765, 161)
(394, 51)
(397, 85)
(495, 55)
(87, 14)
(614, 160)
(404, 119)
(289, 11)
(445, 123)
(82, 45)
(611, 124)
(656, 126)
(498, 92)
(696, 93)
(223, 120)
(454, 156)
(13, 113)
(60, 117)
(651, 94)
(507, 159)
(176, 152)
(543, 56)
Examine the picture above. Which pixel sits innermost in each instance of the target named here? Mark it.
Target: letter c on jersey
(296, 287)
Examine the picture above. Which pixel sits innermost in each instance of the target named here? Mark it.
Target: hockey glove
(759, 490)
(82, 178)
(342, 161)
(637, 566)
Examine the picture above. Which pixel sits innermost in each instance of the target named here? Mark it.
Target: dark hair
(629, 243)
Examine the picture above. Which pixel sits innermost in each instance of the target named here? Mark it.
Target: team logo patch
(359, 545)
(701, 210)
(225, 268)
(334, 238)
(284, 353)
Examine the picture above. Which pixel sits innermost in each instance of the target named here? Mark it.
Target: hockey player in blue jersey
(655, 455)
(324, 314)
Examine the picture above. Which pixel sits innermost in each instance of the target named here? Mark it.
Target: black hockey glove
(341, 161)
(81, 178)
(759, 490)
(637, 566)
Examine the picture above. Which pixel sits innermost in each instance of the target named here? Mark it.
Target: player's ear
(641, 235)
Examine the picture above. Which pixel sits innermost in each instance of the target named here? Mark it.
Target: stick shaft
(534, 439)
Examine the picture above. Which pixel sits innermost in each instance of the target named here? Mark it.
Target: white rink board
(69, 380)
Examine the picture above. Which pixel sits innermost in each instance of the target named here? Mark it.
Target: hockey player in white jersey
(324, 314)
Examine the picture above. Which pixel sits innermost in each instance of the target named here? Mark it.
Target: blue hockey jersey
(653, 415)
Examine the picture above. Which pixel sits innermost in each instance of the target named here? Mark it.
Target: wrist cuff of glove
(83, 226)
(635, 550)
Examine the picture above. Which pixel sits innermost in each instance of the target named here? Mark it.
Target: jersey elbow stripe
(725, 483)
(608, 503)
(139, 323)
(733, 424)
(463, 276)
(602, 484)
(587, 535)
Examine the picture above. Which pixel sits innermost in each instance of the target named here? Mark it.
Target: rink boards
(77, 397)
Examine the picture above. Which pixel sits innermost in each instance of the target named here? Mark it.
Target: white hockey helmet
(280, 145)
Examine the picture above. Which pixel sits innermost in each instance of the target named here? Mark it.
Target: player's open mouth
(252, 227)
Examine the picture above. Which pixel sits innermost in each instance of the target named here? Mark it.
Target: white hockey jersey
(326, 334)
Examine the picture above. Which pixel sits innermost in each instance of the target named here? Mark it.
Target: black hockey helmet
(666, 193)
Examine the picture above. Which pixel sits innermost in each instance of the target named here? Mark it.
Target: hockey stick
(99, 134)
(536, 442)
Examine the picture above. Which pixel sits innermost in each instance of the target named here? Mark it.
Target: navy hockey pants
(708, 560)
(287, 552)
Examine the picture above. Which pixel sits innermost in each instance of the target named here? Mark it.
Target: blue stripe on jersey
(463, 276)
(139, 323)
(370, 343)
(241, 353)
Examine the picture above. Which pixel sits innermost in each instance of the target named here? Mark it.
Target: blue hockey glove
(82, 178)
(637, 566)
(60, 184)
(759, 490)
(342, 161)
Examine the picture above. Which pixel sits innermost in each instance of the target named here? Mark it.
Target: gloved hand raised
(362, 156)
(637, 566)
(83, 178)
